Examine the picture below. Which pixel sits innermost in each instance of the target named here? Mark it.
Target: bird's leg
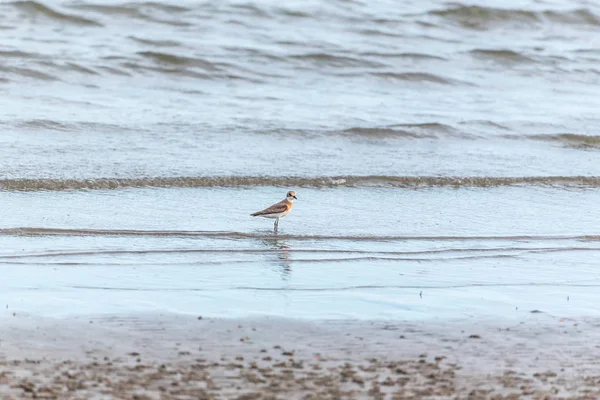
(276, 225)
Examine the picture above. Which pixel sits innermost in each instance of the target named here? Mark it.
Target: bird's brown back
(280, 207)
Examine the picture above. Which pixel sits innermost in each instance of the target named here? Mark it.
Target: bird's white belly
(273, 216)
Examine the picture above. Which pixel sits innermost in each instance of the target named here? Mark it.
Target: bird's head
(291, 196)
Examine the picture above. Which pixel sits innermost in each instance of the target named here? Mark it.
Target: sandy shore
(190, 357)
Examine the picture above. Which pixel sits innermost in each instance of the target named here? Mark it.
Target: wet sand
(191, 357)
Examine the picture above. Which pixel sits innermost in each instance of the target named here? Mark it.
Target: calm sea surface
(445, 157)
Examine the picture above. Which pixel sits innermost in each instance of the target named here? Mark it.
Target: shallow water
(445, 157)
(502, 251)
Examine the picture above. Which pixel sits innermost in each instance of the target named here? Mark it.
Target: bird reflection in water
(280, 252)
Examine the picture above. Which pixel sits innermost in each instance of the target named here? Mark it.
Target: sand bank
(190, 357)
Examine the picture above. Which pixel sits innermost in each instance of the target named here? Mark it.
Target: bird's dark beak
(295, 197)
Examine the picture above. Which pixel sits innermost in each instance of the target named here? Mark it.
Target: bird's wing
(280, 207)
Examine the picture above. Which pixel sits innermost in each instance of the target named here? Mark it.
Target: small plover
(278, 210)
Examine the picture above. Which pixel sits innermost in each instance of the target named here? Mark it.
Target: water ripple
(35, 9)
(350, 181)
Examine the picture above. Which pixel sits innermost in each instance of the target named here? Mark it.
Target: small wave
(144, 11)
(383, 133)
(69, 67)
(50, 125)
(380, 32)
(168, 8)
(176, 70)
(582, 16)
(571, 140)
(588, 51)
(336, 60)
(421, 77)
(485, 123)
(80, 68)
(155, 43)
(417, 131)
(194, 67)
(480, 17)
(348, 181)
(43, 124)
(20, 54)
(32, 231)
(410, 56)
(294, 261)
(293, 13)
(428, 126)
(33, 9)
(127, 8)
(249, 9)
(501, 56)
(32, 73)
(28, 73)
(112, 70)
(174, 59)
(287, 250)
